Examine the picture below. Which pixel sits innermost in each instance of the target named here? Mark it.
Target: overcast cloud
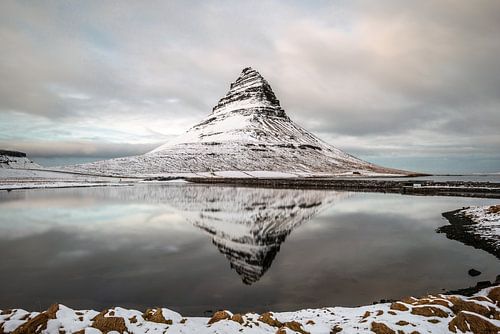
(411, 84)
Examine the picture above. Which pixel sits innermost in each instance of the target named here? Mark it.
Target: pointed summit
(250, 93)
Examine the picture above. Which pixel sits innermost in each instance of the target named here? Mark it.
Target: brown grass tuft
(267, 318)
(218, 316)
(399, 307)
(463, 305)
(295, 326)
(380, 328)
(238, 318)
(429, 311)
(38, 323)
(494, 209)
(494, 295)
(108, 324)
(466, 322)
(156, 315)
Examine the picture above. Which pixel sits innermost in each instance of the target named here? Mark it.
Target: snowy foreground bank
(479, 313)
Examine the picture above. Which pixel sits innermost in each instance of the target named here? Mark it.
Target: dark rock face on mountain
(246, 131)
(250, 93)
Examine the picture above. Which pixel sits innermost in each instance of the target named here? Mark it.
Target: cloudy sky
(412, 84)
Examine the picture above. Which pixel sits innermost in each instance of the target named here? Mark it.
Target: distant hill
(16, 159)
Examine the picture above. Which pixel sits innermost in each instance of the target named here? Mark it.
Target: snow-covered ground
(479, 314)
(486, 223)
(19, 178)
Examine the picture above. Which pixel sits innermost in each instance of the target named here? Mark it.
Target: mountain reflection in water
(248, 225)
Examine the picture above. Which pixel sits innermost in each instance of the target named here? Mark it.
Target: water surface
(200, 248)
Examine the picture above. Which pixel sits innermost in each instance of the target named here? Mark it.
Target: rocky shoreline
(407, 187)
(478, 231)
(478, 314)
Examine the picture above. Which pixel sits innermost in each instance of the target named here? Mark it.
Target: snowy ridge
(246, 131)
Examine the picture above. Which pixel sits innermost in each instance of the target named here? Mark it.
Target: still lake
(196, 248)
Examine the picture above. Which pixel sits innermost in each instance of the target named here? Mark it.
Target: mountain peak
(250, 93)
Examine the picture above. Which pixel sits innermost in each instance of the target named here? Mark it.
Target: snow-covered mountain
(246, 131)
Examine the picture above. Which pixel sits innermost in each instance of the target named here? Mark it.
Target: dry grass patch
(494, 209)
(494, 295)
(380, 328)
(156, 315)
(238, 318)
(467, 322)
(399, 307)
(267, 318)
(218, 316)
(108, 324)
(38, 323)
(429, 311)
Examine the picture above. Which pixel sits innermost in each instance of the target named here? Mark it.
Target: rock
(336, 329)
(483, 284)
(473, 272)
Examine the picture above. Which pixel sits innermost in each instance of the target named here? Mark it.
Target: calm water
(198, 248)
